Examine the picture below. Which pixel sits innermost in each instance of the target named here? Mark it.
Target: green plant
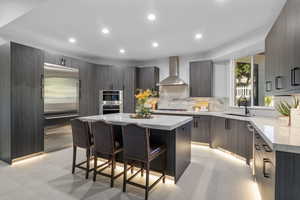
(284, 107)
(268, 100)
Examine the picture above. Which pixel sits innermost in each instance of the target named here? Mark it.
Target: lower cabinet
(232, 135)
(264, 168)
(201, 129)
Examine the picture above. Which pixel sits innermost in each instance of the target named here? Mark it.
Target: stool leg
(112, 175)
(88, 154)
(74, 159)
(132, 168)
(125, 176)
(95, 168)
(147, 180)
(142, 172)
(164, 164)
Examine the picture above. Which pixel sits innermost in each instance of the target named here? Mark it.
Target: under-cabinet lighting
(28, 159)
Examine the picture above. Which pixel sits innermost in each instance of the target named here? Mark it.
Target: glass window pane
(243, 88)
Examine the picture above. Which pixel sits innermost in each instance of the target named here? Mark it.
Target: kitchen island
(173, 131)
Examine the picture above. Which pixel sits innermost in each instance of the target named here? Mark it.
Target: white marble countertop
(162, 122)
(278, 137)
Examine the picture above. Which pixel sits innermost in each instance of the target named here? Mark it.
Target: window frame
(233, 86)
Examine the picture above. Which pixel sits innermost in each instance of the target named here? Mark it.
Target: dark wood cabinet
(276, 172)
(201, 79)
(232, 135)
(26, 100)
(147, 78)
(282, 52)
(117, 77)
(218, 132)
(129, 89)
(88, 93)
(201, 129)
(22, 70)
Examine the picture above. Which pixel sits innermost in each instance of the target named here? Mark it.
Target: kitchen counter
(161, 122)
(278, 137)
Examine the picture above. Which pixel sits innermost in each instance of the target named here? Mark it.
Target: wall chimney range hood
(173, 78)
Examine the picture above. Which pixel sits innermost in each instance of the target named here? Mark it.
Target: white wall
(221, 79)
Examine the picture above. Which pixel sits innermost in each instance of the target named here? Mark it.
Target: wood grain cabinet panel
(27, 100)
(282, 52)
(201, 79)
(201, 129)
(147, 78)
(88, 93)
(129, 89)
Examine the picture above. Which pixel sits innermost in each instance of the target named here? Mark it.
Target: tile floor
(212, 175)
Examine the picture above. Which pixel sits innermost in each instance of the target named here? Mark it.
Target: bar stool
(81, 138)
(137, 147)
(105, 145)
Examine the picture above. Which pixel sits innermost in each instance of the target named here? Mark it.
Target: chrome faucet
(244, 102)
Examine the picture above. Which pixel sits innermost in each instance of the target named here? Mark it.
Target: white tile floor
(212, 175)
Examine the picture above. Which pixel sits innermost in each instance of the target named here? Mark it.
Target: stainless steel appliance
(61, 104)
(61, 90)
(111, 101)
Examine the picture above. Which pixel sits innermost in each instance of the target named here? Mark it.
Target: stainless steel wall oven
(111, 101)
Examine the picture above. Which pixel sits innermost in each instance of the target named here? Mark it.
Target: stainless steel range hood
(173, 78)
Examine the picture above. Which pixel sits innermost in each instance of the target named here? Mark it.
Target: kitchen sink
(239, 115)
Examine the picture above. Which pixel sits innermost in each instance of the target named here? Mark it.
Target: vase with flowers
(142, 111)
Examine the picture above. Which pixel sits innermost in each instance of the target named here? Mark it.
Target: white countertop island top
(162, 122)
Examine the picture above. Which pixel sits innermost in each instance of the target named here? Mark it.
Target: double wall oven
(111, 101)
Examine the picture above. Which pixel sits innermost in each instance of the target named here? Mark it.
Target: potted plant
(284, 109)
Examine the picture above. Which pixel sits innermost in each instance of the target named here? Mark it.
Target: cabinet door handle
(257, 147)
(278, 85)
(79, 88)
(267, 148)
(250, 127)
(42, 86)
(265, 162)
(293, 76)
(268, 86)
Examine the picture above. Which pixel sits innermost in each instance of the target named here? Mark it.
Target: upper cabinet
(282, 52)
(201, 79)
(148, 78)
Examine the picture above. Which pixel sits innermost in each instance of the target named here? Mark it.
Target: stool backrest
(136, 142)
(81, 133)
(104, 141)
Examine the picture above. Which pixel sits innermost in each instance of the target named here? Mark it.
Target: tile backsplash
(177, 97)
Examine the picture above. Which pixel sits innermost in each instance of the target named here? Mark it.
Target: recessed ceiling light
(122, 51)
(198, 36)
(72, 40)
(151, 17)
(155, 44)
(105, 31)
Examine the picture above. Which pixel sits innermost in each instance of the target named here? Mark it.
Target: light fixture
(72, 40)
(122, 51)
(105, 31)
(151, 17)
(198, 36)
(155, 44)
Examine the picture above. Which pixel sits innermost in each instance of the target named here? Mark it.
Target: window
(249, 82)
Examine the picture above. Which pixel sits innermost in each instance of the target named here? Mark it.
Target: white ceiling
(220, 21)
